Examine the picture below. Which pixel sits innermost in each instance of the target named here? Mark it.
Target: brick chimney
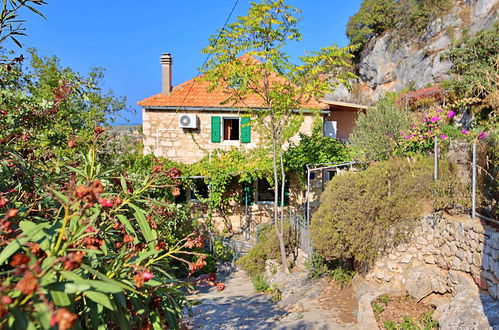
(166, 73)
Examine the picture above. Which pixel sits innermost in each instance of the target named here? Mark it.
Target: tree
(377, 133)
(475, 70)
(249, 60)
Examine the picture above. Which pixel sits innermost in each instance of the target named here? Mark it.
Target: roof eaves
(220, 109)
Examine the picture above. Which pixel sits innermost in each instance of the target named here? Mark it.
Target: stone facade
(163, 136)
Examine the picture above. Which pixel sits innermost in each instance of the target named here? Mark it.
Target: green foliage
(260, 283)
(254, 262)
(66, 105)
(377, 134)
(408, 16)
(11, 25)
(373, 18)
(315, 149)
(377, 308)
(339, 271)
(267, 248)
(98, 246)
(475, 69)
(362, 214)
(223, 252)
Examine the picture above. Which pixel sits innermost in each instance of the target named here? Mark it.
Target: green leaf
(21, 321)
(60, 299)
(100, 298)
(60, 196)
(68, 287)
(107, 279)
(144, 255)
(26, 236)
(128, 226)
(148, 234)
(98, 285)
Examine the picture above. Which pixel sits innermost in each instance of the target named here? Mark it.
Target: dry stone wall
(443, 253)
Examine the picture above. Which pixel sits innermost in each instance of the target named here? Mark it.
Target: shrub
(315, 149)
(377, 133)
(338, 270)
(260, 283)
(254, 262)
(97, 258)
(267, 248)
(361, 214)
(475, 69)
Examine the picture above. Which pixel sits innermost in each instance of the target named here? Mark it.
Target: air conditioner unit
(188, 121)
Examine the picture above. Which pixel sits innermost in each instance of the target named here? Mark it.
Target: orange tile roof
(194, 93)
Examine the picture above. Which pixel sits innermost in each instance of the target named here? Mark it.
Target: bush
(254, 262)
(339, 271)
(362, 214)
(267, 248)
(475, 69)
(260, 283)
(377, 132)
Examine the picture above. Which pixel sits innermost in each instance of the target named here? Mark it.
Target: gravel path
(239, 307)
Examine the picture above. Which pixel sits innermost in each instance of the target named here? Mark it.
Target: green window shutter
(215, 129)
(247, 193)
(245, 130)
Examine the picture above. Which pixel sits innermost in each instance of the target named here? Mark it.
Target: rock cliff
(392, 62)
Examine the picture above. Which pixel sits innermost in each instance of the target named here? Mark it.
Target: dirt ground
(399, 307)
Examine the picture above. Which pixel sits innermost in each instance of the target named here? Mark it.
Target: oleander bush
(89, 237)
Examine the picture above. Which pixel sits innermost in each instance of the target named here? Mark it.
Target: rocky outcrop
(392, 62)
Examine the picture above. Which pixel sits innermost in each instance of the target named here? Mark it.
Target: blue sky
(127, 37)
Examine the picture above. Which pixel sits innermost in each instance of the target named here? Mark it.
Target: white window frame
(222, 129)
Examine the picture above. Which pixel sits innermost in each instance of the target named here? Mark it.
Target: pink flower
(407, 137)
(434, 119)
(3, 112)
(402, 133)
(443, 136)
(106, 202)
(90, 229)
(147, 276)
(451, 114)
(482, 135)
(414, 125)
(439, 110)
(465, 131)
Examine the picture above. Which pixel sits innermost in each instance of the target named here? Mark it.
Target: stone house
(187, 122)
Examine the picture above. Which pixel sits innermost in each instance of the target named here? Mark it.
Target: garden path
(240, 307)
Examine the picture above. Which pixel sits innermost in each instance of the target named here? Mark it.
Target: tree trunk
(279, 228)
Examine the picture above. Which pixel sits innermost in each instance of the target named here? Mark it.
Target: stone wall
(452, 246)
(163, 137)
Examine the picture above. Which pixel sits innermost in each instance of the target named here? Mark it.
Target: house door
(330, 128)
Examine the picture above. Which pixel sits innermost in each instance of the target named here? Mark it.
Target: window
(264, 191)
(199, 189)
(231, 129)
